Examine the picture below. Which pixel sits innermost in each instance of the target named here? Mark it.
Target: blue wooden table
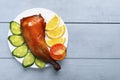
(94, 40)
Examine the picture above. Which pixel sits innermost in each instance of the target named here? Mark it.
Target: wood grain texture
(4, 49)
(94, 35)
(73, 10)
(71, 70)
(93, 40)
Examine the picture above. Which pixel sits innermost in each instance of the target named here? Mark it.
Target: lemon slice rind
(51, 42)
(56, 33)
(53, 23)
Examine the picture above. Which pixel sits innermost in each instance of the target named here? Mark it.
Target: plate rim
(11, 47)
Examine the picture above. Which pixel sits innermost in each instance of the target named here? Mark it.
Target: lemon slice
(56, 33)
(51, 42)
(53, 23)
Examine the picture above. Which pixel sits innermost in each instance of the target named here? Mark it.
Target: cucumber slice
(20, 51)
(15, 27)
(39, 63)
(16, 40)
(28, 60)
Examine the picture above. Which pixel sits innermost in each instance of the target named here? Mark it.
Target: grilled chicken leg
(33, 32)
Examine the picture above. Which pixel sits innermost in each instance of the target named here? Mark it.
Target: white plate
(47, 15)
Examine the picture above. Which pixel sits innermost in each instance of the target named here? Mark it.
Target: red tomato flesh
(58, 52)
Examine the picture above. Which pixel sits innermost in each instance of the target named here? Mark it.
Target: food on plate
(40, 63)
(16, 40)
(20, 51)
(51, 42)
(15, 27)
(57, 32)
(28, 60)
(53, 23)
(33, 32)
(58, 52)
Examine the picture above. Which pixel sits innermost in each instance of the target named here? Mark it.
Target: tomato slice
(58, 52)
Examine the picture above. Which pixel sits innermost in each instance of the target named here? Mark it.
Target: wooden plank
(94, 41)
(74, 10)
(85, 41)
(4, 49)
(71, 70)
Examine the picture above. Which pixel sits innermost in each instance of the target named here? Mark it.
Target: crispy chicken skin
(33, 32)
